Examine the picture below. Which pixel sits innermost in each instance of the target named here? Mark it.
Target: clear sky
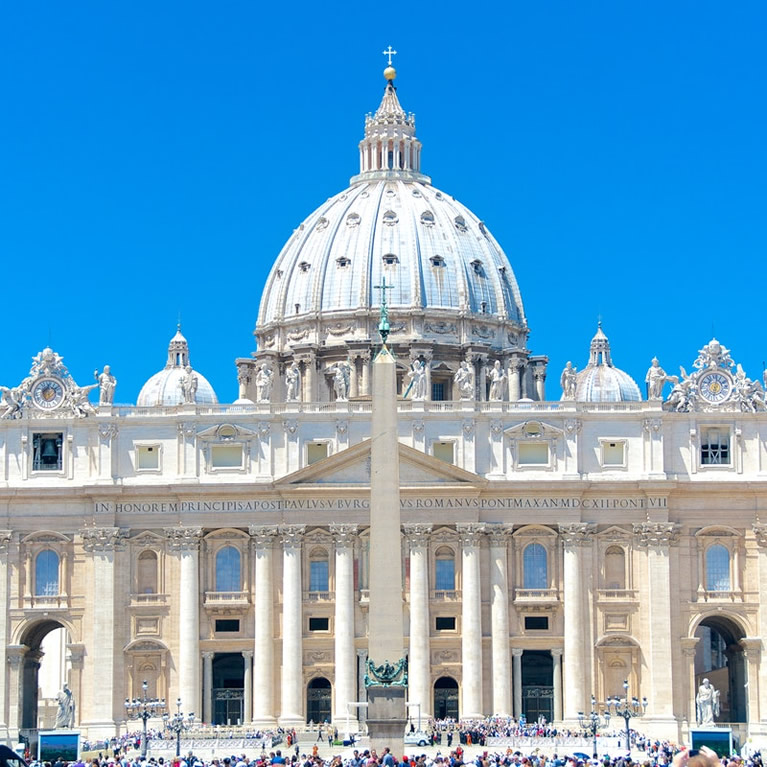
(155, 156)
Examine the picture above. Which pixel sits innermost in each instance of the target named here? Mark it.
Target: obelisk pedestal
(386, 678)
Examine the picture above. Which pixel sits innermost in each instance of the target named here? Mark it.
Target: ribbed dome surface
(434, 251)
(164, 388)
(600, 380)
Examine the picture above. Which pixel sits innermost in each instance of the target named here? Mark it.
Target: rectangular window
(147, 457)
(438, 391)
(318, 575)
(533, 453)
(226, 456)
(536, 623)
(715, 446)
(443, 451)
(227, 625)
(614, 453)
(444, 572)
(47, 451)
(316, 451)
(445, 624)
(319, 624)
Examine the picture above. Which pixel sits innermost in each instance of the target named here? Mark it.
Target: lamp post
(144, 708)
(178, 723)
(592, 721)
(628, 708)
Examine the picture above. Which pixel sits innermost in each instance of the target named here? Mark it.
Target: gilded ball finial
(390, 73)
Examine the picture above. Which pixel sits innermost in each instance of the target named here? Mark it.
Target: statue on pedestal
(417, 376)
(292, 382)
(464, 379)
(264, 383)
(569, 381)
(188, 384)
(65, 715)
(107, 383)
(497, 378)
(655, 378)
(707, 703)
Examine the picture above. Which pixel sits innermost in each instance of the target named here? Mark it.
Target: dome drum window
(476, 265)
(353, 219)
(322, 224)
(342, 262)
(390, 260)
(304, 266)
(460, 223)
(437, 261)
(390, 218)
(427, 218)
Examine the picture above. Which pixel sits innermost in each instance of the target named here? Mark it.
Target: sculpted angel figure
(77, 398)
(679, 399)
(464, 379)
(655, 378)
(264, 383)
(12, 401)
(569, 381)
(497, 377)
(107, 383)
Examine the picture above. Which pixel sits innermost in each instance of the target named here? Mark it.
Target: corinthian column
(499, 613)
(574, 538)
(102, 544)
(471, 616)
(419, 690)
(185, 542)
(6, 542)
(292, 629)
(263, 687)
(345, 657)
(657, 538)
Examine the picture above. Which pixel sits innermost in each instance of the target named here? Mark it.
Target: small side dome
(163, 389)
(600, 380)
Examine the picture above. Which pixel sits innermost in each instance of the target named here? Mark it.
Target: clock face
(48, 393)
(715, 387)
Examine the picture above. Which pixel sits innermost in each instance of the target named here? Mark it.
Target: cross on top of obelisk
(390, 52)
(383, 324)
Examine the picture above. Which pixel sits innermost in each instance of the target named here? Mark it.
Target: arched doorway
(44, 670)
(446, 698)
(318, 699)
(719, 658)
(228, 688)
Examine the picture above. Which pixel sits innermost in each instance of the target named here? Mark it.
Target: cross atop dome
(390, 72)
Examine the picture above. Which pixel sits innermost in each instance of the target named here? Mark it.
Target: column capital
(499, 535)
(689, 645)
(343, 535)
(76, 654)
(752, 647)
(576, 534)
(417, 535)
(263, 535)
(207, 655)
(5, 540)
(183, 538)
(103, 538)
(470, 533)
(15, 654)
(656, 534)
(760, 532)
(292, 535)
(516, 652)
(247, 654)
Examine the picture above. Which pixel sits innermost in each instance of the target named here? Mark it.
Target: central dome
(451, 292)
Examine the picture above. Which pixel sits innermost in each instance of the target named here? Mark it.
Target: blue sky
(154, 157)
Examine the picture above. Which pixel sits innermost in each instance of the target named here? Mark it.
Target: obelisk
(386, 677)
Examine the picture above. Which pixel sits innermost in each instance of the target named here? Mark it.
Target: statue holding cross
(383, 325)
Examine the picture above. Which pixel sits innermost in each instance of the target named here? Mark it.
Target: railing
(536, 595)
(148, 599)
(704, 595)
(446, 595)
(318, 596)
(226, 598)
(622, 594)
(50, 602)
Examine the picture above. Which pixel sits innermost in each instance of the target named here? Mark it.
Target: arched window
(615, 568)
(717, 568)
(444, 570)
(47, 574)
(147, 573)
(535, 566)
(319, 571)
(228, 569)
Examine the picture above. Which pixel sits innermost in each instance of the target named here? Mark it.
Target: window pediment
(226, 432)
(533, 431)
